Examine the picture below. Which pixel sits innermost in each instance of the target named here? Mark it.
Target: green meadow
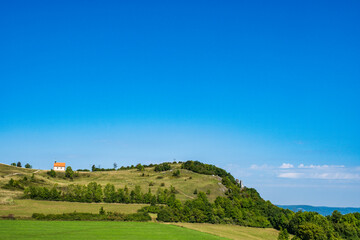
(59, 230)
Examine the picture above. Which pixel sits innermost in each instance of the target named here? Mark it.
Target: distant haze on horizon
(268, 91)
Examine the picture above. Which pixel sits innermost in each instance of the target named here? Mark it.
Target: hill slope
(185, 184)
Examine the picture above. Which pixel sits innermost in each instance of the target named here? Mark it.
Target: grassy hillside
(185, 184)
(97, 230)
(26, 207)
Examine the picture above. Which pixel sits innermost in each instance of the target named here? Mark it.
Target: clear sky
(268, 90)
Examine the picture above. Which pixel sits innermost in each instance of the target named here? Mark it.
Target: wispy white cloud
(311, 171)
(320, 166)
(286, 165)
(329, 172)
(259, 167)
(290, 175)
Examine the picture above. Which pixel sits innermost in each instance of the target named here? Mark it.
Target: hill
(186, 193)
(185, 184)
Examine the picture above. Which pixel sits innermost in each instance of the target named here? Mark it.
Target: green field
(96, 230)
(26, 207)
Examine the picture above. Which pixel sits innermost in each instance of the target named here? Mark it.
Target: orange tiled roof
(59, 164)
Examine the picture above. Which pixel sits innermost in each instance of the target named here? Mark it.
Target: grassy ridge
(97, 230)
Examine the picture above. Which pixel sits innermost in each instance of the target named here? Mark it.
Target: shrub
(176, 173)
(51, 173)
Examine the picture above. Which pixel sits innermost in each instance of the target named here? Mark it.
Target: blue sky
(267, 90)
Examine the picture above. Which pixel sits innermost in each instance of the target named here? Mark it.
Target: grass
(185, 184)
(96, 230)
(233, 232)
(26, 207)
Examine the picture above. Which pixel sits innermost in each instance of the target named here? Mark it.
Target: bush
(28, 165)
(176, 173)
(51, 173)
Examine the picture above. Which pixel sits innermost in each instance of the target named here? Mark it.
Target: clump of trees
(162, 167)
(98, 169)
(20, 184)
(18, 164)
(207, 169)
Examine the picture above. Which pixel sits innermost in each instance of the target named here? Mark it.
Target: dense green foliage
(51, 173)
(94, 192)
(207, 169)
(14, 184)
(69, 173)
(105, 216)
(20, 184)
(95, 169)
(283, 234)
(162, 167)
(83, 170)
(28, 165)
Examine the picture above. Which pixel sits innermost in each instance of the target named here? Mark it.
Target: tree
(101, 211)
(69, 173)
(18, 164)
(283, 234)
(140, 167)
(51, 173)
(109, 193)
(93, 168)
(13, 164)
(28, 165)
(115, 165)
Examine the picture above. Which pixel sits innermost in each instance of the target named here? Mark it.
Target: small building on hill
(59, 166)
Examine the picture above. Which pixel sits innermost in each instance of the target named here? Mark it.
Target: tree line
(94, 192)
(18, 164)
(101, 216)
